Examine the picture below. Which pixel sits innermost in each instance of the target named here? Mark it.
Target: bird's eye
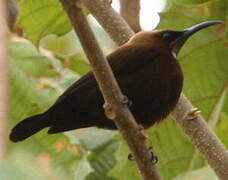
(167, 36)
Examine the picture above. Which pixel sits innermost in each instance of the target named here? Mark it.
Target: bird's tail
(28, 127)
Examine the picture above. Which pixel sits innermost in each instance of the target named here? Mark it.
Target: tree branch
(116, 27)
(3, 79)
(202, 136)
(130, 10)
(111, 92)
(197, 130)
(11, 13)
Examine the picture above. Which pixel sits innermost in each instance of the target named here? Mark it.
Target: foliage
(51, 59)
(40, 18)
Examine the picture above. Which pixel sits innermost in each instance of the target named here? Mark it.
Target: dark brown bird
(148, 73)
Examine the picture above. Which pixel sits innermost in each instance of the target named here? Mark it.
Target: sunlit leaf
(205, 173)
(39, 18)
(28, 98)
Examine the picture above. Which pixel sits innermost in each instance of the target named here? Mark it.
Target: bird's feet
(154, 157)
(193, 113)
(108, 109)
(126, 102)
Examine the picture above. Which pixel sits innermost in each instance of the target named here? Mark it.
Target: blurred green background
(49, 58)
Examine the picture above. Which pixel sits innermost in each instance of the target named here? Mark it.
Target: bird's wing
(126, 59)
(86, 80)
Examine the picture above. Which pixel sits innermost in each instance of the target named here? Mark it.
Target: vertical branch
(112, 94)
(130, 10)
(3, 78)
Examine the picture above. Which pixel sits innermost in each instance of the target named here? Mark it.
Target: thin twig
(3, 79)
(112, 94)
(198, 131)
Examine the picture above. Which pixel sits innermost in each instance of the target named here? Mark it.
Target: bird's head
(173, 40)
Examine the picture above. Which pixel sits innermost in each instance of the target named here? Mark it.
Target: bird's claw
(126, 102)
(193, 113)
(154, 157)
(131, 157)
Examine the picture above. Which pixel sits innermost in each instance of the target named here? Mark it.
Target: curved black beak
(185, 34)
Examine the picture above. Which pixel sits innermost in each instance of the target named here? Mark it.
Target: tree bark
(130, 11)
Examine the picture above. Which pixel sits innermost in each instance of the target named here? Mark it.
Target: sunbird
(148, 73)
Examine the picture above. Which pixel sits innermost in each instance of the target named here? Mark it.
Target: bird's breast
(154, 89)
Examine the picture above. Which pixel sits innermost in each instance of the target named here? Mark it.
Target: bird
(148, 73)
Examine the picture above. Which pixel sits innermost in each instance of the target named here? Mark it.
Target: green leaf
(205, 173)
(124, 168)
(24, 69)
(22, 166)
(86, 136)
(102, 160)
(27, 98)
(39, 18)
(63, 46)
(222, 128)
(25, 54)
(80, 66)
(184, 2)
(100, 145)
